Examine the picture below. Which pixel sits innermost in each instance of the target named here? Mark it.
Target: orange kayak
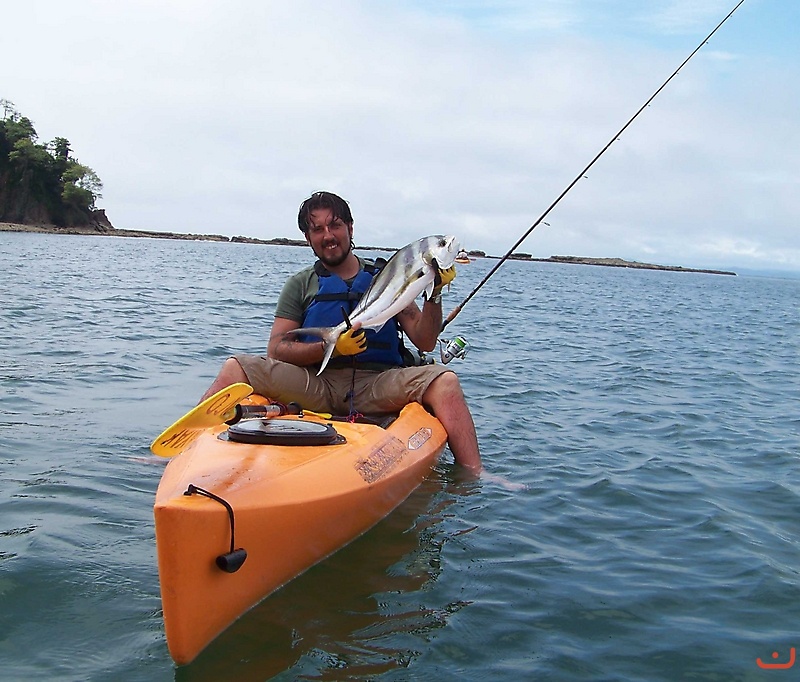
(235, 496)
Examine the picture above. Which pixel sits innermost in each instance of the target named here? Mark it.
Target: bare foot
(502, 480)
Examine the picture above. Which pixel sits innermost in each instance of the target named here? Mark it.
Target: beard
(337, 258)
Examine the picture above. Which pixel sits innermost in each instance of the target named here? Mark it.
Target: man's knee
(444, 387)
(232, 371)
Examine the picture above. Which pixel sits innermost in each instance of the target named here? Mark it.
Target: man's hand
(442, 279)
(351, 342)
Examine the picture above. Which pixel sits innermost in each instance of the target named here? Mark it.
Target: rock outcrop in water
(620, 263)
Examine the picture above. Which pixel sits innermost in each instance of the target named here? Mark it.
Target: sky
(432, 117)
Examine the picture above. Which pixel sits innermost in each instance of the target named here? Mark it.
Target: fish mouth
(451, 244)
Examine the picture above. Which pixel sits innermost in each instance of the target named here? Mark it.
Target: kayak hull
(292, 506)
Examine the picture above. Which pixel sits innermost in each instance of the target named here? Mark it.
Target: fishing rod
(580, 175)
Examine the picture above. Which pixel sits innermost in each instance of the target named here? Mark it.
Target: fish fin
(328, 334)
(330, 346)
(428, 290)
(319, 332)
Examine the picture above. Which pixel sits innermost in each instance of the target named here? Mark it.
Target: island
(44, 188)
(618, 263)
(102, 227)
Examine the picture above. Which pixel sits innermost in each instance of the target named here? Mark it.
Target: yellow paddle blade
(212, 411)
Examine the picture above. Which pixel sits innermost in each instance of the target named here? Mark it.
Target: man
(359, 379)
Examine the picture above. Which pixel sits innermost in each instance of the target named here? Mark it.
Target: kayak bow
(237, 520)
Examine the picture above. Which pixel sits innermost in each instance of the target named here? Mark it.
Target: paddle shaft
(240, 412)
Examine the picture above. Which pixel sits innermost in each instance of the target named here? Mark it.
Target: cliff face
(19, 205)
(100, 221)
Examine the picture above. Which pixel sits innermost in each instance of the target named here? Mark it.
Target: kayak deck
(292, 506)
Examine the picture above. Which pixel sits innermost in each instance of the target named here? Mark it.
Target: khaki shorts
(373, 392)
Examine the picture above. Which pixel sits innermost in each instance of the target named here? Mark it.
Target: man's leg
(278, 380)
(446, 400)
(231, 372)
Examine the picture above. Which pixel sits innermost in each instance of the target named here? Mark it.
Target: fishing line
(580, 175)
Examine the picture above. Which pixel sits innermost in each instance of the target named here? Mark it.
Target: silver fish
(408, 273)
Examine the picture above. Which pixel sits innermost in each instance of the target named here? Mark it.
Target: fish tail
(330, 345)
(328, 334)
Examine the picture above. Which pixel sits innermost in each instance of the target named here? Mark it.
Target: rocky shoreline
(107, 231)
(620, 263)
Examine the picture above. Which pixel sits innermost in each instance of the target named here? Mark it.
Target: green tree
(42, 182)
(8, 108)
(82, 187)
(31, 173)
(60, 150)
(19, 128)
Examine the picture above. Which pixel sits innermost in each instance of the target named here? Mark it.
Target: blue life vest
(383, 346)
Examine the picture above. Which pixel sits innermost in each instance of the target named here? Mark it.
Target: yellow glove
(351, 342)
(443, 279)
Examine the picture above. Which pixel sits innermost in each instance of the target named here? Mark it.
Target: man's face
(329, 237)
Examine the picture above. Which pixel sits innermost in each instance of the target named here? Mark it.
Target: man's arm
(289, 349)
(422, 327)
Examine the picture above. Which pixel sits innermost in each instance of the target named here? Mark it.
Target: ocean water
(653, 417)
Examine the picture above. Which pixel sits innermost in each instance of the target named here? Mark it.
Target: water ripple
(651, 416)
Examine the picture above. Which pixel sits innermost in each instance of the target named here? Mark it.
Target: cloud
(457, 117)
(682, 16)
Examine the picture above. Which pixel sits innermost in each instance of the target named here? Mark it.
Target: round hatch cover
(283, 432)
